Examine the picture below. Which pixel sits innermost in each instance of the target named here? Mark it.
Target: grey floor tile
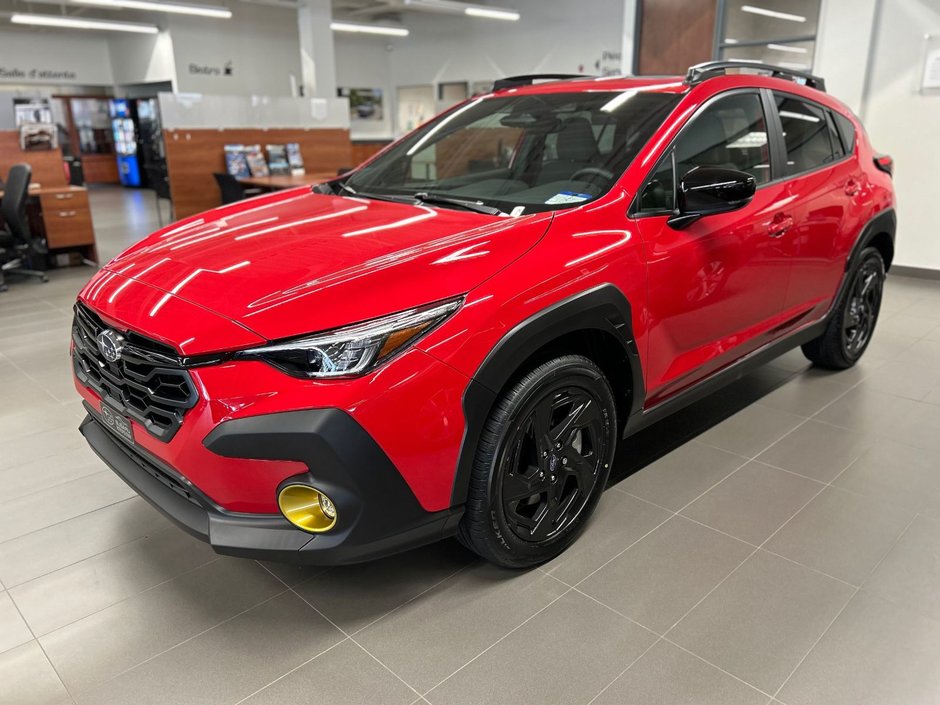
(115, 639)
(41, 413)
(875, 653)
(346, 595)
(76, 591)
(588, 647)
(27, 678)
(260, 644)
(481, 604)
(751, 430)
(57, 504)
(817, 450)
(866, 410)
(918, 426)
(41, 474)
(754, 502)
(344, 675)
(908, 379)
(893, 472)
(841, 534)
(292, 575)
(667, 675)
(910, 574)
(57, 546)
(664, 575)
(679, 477)
(804, 395)
(13, 630)
(42, 445)
(618, 521)
(762, 620)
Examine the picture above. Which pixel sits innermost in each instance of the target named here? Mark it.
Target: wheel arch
(879, 232)
(596, 323)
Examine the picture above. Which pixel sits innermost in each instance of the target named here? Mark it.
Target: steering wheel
(592, 171)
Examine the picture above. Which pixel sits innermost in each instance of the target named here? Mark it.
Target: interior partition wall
(672, 35)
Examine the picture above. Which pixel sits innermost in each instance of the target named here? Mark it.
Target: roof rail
(527, 80)
(710, 69)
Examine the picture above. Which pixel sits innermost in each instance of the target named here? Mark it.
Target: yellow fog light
(307, 508)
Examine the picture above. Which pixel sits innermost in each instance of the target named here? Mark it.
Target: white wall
(842, 48)
(906, 124)
(146, 58)
(551, 37)
(54, 57)
(363, 62)
(260, 44)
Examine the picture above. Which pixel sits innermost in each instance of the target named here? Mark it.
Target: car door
(826, 187)
(716, 287)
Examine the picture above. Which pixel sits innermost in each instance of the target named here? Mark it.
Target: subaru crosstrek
(451, 339)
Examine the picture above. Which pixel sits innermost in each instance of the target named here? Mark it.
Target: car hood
(297, 262)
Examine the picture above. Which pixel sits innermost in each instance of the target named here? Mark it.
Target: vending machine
(125, 141)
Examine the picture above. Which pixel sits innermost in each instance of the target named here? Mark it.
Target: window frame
(774, 141)
(828, 112)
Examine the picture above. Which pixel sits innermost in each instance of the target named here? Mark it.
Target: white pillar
(317, 61)
(628, 37)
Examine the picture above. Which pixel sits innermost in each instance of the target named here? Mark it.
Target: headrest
(576, 141)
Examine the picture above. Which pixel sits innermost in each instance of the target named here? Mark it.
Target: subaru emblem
(110, 344)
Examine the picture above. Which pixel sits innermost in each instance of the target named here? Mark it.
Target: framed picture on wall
(364, 103)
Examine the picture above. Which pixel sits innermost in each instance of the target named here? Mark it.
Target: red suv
(451, 339)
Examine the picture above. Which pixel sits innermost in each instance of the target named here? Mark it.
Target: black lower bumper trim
(374, 519)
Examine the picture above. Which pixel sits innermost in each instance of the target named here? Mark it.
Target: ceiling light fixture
(453, 7)
(772, 13)
(490, 13)
(176, 8)
(369, 29)
(80, 23)
(786, 48)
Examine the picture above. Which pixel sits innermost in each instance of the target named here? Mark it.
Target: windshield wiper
(475, 206)
(344, 188)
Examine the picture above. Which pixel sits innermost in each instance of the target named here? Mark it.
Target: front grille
(147, 383)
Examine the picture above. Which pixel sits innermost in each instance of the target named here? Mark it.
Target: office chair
(17, 245)
(231, 190)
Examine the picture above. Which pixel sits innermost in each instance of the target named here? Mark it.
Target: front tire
(541, 465)
(852, 324)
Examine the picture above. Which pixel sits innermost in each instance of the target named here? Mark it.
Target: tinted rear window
(846, 131)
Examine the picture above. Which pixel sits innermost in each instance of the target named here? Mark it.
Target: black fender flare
(885, 222)
(603, 308)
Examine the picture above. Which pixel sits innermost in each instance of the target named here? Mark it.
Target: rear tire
(541, 465)
(850, 328)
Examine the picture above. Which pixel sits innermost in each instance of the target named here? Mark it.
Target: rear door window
(806, 134)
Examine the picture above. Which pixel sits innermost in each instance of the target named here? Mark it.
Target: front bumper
(377, 514)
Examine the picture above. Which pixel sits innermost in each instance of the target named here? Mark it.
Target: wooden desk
(62, 213)
(276, 183)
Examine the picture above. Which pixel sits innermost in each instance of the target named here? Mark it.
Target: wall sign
(15, 73)
(225, 69)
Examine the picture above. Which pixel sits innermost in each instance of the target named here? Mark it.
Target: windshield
(519, 154)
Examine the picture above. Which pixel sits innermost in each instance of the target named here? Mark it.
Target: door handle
(852, 187)
(779, 225)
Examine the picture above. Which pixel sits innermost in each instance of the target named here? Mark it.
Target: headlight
(353, 350)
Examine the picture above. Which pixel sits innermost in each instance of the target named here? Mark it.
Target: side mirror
(708, 190)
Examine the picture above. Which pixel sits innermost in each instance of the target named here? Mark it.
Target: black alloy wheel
(851, 324)
(862, 306)
(549, 465)
(542, 463)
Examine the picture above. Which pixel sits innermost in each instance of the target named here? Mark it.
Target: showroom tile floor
(778, 542)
